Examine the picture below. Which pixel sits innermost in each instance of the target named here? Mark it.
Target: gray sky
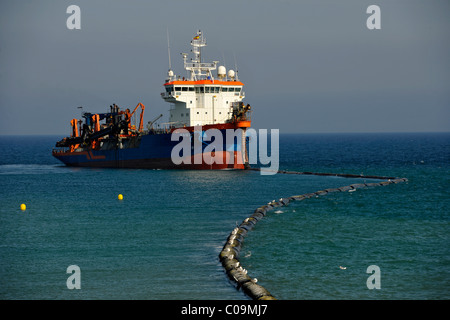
(308, 66)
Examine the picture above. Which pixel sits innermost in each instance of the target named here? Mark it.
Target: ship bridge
(202, 97)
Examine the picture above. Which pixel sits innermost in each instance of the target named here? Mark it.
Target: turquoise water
(163, 239)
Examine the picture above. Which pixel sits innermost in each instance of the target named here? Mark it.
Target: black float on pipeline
(229, 256)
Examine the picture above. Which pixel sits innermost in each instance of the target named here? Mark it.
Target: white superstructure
(201, 98)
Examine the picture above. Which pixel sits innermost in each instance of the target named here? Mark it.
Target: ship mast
(169, 72)
(198, 70)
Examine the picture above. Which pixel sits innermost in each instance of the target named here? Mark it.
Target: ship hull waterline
(74, 159)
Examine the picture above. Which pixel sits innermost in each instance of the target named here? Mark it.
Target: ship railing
(164, 128)
(166, 95)
(60, 150)
(158, 131)
(204, 66)
(247, 116)
(244, 117)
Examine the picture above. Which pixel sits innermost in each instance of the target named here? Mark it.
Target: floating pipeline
(229, 256)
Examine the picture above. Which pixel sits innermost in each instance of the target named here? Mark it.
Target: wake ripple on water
(21, 169)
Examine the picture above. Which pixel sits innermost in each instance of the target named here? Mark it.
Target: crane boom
(141, 123)
(150, 123)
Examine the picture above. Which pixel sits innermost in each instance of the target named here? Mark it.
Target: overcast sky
(308, 66)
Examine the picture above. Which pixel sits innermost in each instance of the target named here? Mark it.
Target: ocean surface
(163, 239)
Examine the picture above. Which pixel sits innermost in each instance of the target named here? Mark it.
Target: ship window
(177, 88)
(230, 89)
(217, 89)
(181, 114)
(206, 89)
(202, 89)
(191, 101)
(191, 88)
(169, 89)
(224, 89)
(184, 89)
(237, 89)
(206, 112)
(197, 90)
(198, 112)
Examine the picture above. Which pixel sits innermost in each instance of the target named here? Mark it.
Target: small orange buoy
(23, 207)
(120, 197)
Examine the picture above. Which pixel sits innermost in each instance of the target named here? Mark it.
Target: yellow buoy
(120, 197)
(23, 207)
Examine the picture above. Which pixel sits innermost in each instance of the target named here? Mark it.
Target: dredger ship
(208, 97)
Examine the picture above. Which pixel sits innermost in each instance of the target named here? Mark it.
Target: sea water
(163, 239)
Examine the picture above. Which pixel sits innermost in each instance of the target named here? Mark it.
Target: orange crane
(141, 122)
(74, 124)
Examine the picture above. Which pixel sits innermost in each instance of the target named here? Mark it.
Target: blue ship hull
(152, 151)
